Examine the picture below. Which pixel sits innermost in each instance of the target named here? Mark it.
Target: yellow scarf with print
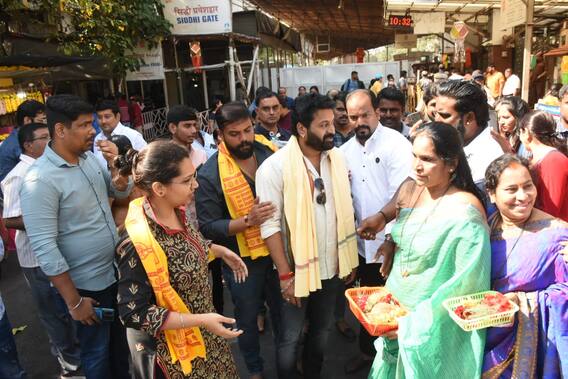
(240, 199)
(183, 344)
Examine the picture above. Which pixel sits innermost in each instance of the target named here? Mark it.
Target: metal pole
(205, 93)
(269, 85)
(258, 78)
(527, 50)
(442, 53)
(278, 59)
(252, 68)
(166, 96)
(232, 83)
(179, 74)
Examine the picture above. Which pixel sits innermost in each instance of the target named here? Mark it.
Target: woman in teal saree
(442, 251)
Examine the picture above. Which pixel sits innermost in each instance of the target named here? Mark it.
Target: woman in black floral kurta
(187, 255)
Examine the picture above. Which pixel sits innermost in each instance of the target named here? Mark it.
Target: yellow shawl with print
(299, 212)
(240, 199)
(183, 344)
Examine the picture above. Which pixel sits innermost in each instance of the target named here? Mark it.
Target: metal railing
(155, 125)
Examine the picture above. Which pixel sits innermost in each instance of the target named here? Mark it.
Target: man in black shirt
(230, 214)
(268, 115)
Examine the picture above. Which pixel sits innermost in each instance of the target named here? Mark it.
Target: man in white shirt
(464, 106)
(391, 109)
(455, 75)
(512, 85)
(313, 146)
(108, 114)
(32, 139)
(380, 159)
(182, 125)
(204, 142)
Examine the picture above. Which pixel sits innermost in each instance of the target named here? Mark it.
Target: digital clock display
(400, 21)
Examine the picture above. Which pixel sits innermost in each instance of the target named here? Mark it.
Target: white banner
(429, 23)
(513, 13)
(405, 41)
(153, 66)
(194, 17)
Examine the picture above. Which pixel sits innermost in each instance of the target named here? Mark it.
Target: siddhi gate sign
(195, 17)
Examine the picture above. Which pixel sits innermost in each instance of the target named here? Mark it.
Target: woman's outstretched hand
(236, 264)
(214, 323)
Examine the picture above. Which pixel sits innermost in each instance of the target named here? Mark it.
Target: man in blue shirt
(29, 111)
(69, 222)
(282, 92)
(353, 83)
(268, 115)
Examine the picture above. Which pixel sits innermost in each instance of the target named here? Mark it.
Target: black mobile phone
(105, 314)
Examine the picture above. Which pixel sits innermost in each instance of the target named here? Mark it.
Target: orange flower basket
(354, 296)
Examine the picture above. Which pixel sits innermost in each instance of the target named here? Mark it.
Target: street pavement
(35, 356)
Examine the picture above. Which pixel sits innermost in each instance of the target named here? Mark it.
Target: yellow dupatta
(298, 209)
(183, 344)
(240, 199)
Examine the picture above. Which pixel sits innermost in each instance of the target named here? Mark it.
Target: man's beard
(243, 151)
(363, 132)
(324, 144)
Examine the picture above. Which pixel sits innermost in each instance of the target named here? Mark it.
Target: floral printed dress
(186, 251)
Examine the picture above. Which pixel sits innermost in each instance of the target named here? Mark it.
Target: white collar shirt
(480, 153)
(11, 186)
(136, 139)
(377, 170)
(512, 83)
(209, 146)
(270, 187)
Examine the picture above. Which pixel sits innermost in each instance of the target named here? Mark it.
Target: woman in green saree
(442, 251)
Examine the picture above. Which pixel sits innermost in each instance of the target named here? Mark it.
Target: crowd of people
(127, 245)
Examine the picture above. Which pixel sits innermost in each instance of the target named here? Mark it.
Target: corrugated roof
(348, 24)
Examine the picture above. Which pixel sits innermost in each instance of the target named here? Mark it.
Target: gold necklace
(404, 267)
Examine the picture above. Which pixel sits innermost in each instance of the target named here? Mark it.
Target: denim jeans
(55, 319)
(9, 364)
(104, 349)
(318, 310)
(248, 298)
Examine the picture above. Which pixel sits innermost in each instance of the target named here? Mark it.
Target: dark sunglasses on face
(320, 199)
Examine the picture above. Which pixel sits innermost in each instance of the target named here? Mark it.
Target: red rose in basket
(492, 303)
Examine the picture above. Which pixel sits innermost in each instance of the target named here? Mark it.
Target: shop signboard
(196, 17)
(152, 67)
(513, 13)
(429, 23)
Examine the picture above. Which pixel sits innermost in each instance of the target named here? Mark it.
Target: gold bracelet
(181, 321)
